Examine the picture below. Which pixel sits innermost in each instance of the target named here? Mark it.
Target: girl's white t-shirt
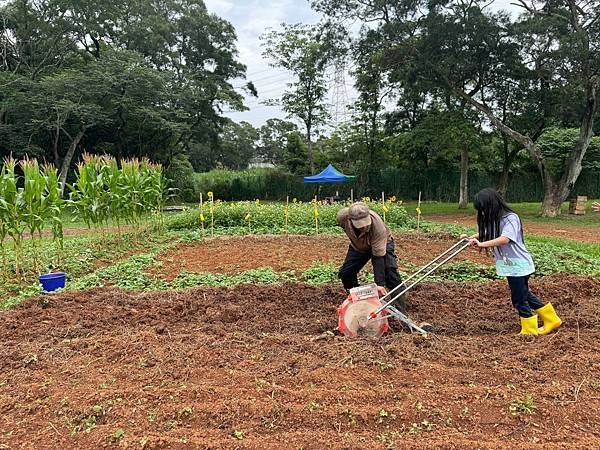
(513, 259)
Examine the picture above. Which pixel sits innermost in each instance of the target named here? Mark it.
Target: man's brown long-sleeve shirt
(373, 241)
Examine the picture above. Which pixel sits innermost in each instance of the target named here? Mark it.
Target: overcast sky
(251, 18)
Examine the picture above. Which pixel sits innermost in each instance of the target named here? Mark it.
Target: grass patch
(529, 212)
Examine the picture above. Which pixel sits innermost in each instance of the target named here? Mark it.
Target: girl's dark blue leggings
(522, 298)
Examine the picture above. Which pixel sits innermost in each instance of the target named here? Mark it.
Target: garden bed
(232, 254)
(254, 367)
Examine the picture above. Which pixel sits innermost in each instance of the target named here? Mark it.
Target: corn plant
(54, 209)
(132, 187)
(115, 196)
(36, 205)
(3, 218)
(12, 206)
(88, 195)
(158, 193)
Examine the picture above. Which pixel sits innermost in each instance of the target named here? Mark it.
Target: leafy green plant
(86, 422)
(88, 195)
(313, 405)
(103, 191)
(264, 275)
(54, 209)
(465, 271)
(118, 435)
(319, 273)
(523, 405)
(238, 434)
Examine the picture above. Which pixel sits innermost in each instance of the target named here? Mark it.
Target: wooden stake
(351, 195)
(202, 214)
(419, 211)
(383, 204)
(287, 211)
(212, 215)
(316, 216)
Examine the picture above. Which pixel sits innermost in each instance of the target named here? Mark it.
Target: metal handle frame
(454, 250)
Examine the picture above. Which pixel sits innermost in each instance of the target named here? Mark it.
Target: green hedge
(434, 184)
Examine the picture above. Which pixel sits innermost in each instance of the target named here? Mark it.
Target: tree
(305, 51)
(460, 49)
(181, 175)
(373, 87)
(295, 154)
(439, 140)
(138, 78)
(71, 103)
(556, 142)
(273, 139)
(237, 145)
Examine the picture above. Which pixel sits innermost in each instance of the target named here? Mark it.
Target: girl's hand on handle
(381, 291)
(475, 243)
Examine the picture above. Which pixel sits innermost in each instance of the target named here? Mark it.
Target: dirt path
(577, 233)
(244, 368)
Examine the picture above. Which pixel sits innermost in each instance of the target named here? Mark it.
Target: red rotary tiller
(364, 313)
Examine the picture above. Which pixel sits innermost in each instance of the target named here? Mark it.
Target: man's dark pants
(356, 260)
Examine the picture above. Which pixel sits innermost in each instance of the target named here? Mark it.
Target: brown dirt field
(574, 232)
(246, 361)
(232, 254)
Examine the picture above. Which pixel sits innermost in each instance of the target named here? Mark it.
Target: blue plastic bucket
(53, 281)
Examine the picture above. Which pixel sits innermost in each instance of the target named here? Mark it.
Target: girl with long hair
(500, 228)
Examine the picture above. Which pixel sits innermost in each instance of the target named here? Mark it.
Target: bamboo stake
(383, 204)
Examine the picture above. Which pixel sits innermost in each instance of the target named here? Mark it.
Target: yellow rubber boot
(529, 325)
(549, 317)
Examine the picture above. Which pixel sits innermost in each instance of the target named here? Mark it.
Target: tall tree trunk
(309, 146)
(507, 162)
(66, 164)
(558, 192)
(463, 200)
(56, 137)
(552, 200)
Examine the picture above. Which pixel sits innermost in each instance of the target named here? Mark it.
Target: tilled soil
(253, 367)
(232, 254)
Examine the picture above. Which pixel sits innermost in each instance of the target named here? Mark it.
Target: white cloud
(219, 7)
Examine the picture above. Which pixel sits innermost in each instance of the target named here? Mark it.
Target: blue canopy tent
(329, 175)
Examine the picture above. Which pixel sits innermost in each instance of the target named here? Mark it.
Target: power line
(251, 109)
(261, 79)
